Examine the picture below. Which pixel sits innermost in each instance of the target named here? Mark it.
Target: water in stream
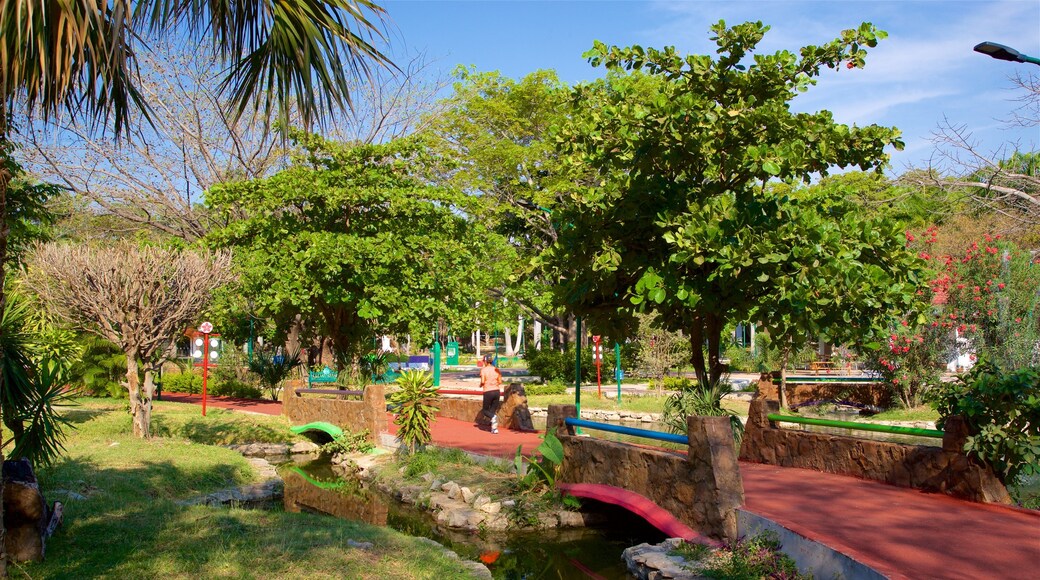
(575, 553)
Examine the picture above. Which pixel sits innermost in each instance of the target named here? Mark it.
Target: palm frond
(80, 56)
(282, 53)
(72, 55)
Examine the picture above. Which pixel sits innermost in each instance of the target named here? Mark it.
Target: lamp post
(1001, 52)
(204, 357)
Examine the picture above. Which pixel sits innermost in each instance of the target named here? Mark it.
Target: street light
(1001, 52)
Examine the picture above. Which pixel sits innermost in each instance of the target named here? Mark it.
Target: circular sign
(206, 328)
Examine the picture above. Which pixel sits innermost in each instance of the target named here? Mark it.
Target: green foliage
(431, 460)
(541, 473)
(349, 442)
(29, 216)
(101, 370)
(686, 216)
(752, 558)
(191, 382)
(414, 409)
(353, 238)
(188, 382)
(1002, 409)
(271, 369)
(702, 400)
(372, 366)
(495, 132)
(554, 365)
(549, 364)
(658, 350)
(553, 387)
(31, 389)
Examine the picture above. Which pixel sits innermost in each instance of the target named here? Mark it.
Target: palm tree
(79, 57)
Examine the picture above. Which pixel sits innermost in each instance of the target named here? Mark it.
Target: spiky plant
(414, 408)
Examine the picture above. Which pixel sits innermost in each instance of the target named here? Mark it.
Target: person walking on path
(491, 382)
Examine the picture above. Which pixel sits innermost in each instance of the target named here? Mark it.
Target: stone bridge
(700, 488)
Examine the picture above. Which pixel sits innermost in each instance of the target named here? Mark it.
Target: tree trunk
(5, 180)
(509, 341)
(133, 385)
(697, 352)
(476, 344)
(519, 335)
(144, 409)
(537, 334)
(785, 357)
(713, 328)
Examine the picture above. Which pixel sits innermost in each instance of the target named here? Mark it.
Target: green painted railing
(805, 379)
(859, 426)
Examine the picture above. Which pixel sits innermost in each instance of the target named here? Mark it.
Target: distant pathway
(902, 533)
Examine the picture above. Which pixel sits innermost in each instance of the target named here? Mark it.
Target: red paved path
(902, 533)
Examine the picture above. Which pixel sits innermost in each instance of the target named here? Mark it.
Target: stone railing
(368, 413)
(702, 489)
(943, 469)
(803, 392)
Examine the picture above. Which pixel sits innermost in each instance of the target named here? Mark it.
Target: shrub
(676, 383)
(553, 387)
(547, 363)
(184, 382)
(1003, 415)
(101, 369)
(412, 403)
(349, 442)
(190, 382)
(233, 388)
(556, 365)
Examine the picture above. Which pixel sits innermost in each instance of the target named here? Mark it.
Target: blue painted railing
(645, 433)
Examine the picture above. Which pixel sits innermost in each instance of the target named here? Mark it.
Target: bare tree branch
(140, 298)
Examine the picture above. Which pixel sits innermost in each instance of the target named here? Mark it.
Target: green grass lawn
(130, 525)
(922, 413)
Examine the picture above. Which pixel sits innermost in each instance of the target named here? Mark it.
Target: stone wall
(368, 413)
(702, 488)
(945, 470)
(467, 408)
(798, 393)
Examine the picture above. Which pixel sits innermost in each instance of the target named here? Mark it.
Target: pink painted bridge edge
(639, 505)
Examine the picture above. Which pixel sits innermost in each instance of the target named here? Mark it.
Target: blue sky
(923, 71)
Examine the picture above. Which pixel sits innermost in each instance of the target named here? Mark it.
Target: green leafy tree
(682, 154)
(353, 236)
(494, 132)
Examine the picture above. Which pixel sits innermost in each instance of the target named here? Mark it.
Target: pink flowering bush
(987, 295)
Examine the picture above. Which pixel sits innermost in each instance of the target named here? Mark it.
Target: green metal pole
(437, 363)
(577, 365)
(250, 338)
(617, 369)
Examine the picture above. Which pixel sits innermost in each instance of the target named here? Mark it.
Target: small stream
(564, 554)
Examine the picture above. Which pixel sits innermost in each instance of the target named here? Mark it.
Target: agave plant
(272, 370)
(412, 403)
(703, 399)
(29, 391)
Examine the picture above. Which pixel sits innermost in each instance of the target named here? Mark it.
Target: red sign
(206, 328)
